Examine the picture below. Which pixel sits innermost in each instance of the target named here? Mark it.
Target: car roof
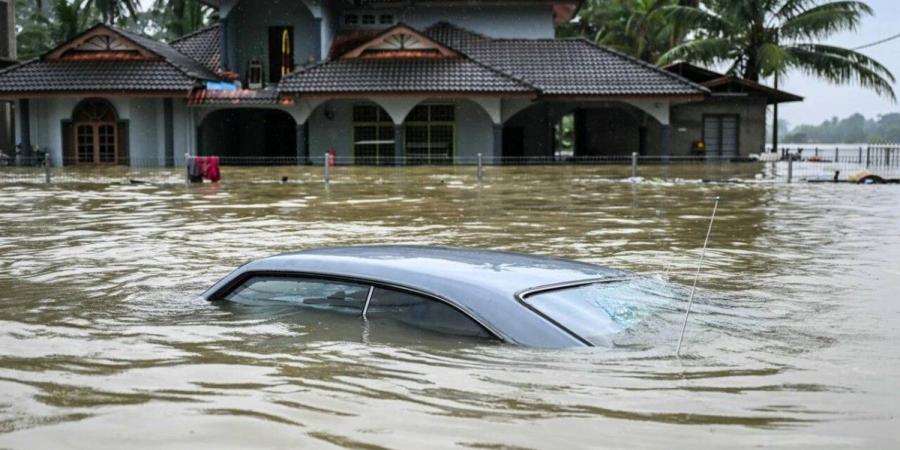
(482, 283)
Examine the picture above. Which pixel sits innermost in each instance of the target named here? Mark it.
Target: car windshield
(594, 312)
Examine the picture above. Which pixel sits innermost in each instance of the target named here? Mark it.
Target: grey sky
(824, 100)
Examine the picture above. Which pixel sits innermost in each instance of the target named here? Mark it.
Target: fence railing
(792, 165)
(837, 163)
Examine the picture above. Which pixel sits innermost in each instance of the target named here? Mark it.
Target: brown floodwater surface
(794, 340)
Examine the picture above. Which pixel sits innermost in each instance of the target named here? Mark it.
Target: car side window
(421, 312)
(322, 294)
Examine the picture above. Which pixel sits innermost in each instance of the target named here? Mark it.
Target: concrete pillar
(302, 144)
(25, 154)
(665, 141)
(169, 130)
(498, 142)
(399, 151)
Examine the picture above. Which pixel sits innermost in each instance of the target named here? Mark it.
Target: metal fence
(836, 163)
(791, 165)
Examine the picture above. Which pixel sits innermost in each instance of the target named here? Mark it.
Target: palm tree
(112, 11)
(70, 19)
(763, 38)
(637, 27)
(181, 17)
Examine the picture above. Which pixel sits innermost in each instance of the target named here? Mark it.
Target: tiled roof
(246, 97)
(565, 66)
(173, 71)
(105, 76)
(400, 75)
(183, 62)
(202, 46)
(729, 84)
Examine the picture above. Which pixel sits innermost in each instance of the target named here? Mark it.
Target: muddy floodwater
(794, 341)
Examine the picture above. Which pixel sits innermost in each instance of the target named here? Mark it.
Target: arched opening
(553, 131)
(249, 136)
(609, 130)
(95, 135)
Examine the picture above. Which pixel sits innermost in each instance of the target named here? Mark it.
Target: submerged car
(515, 298)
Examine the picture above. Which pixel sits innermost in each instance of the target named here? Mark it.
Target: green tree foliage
(40, 28)
(41, 25)
(639, 28)
(762, 38)
(115, 12)
(852, 130)
(180, 17)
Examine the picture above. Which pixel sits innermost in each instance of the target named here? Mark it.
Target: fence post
(790, 169)
(817, 152)
(480, 168)
(837, 154)
(868, 155)
(634, 162)
(47, 168)
(859, 160)
(327, 174)
(887, 156)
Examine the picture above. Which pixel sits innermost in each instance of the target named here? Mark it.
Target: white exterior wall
(474, 132)
(146, 133)
(146, 127)
(248, 32)
(326, 134)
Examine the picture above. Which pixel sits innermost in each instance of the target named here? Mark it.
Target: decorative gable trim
(101, 43)
(401, 41)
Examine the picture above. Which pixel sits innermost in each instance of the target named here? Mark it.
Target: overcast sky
(824, 100)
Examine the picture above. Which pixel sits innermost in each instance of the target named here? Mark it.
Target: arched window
(95, 125)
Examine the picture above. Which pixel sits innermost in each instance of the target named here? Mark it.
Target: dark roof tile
(103, 76)
(202, 46)
(565, 66)
(400, 75)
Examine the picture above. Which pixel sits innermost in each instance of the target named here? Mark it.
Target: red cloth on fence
(209, 168)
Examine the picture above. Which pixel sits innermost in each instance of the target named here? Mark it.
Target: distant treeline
(851, 130)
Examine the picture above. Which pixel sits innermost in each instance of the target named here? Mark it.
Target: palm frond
(824, 20)
(697, 18)
(841, 66)
(791, 8)
(773, 59)
(703, 51)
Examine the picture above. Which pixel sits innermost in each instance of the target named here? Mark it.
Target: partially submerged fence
(836, 163)
(792, 165)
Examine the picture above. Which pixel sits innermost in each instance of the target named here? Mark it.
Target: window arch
(95, 125)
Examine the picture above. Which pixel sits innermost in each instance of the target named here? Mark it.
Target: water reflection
(101, 334)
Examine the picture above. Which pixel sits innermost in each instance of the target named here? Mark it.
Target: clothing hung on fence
(203, 167)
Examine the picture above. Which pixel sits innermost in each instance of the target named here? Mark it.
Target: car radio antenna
(696, 277)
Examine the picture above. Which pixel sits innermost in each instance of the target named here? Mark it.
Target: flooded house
(372, 82)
